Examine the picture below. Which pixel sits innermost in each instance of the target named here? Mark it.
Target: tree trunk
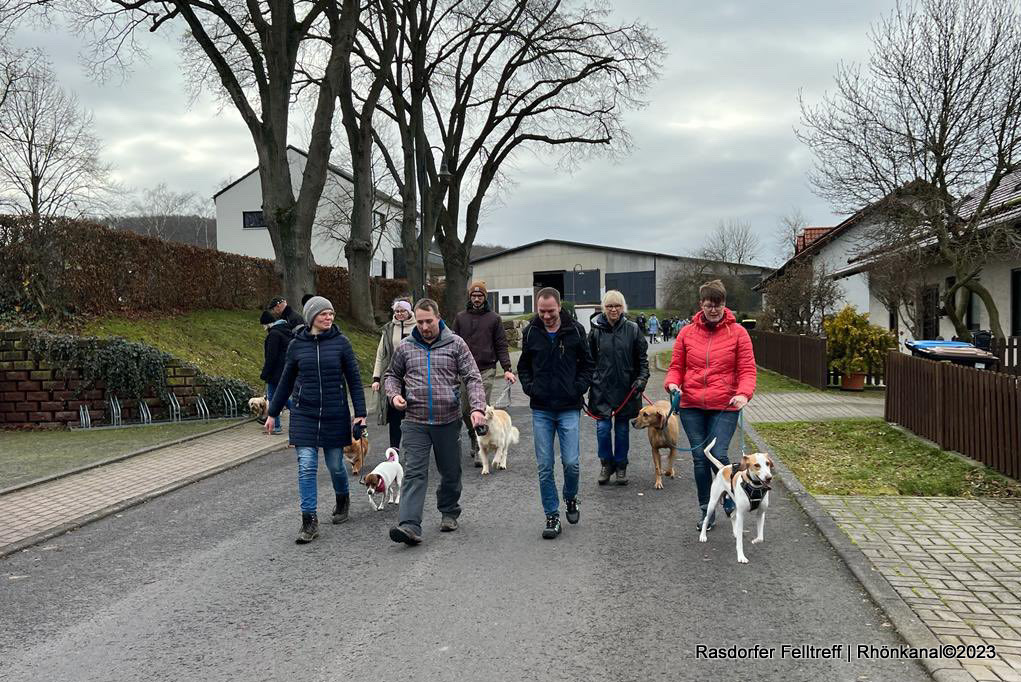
(291, 239)
(455, 268)
(358, 249)
(950, 308)
(995, 326)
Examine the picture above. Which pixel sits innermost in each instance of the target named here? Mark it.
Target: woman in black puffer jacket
(621, 361)
(319, 372)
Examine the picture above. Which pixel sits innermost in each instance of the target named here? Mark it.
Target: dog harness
(755, 493)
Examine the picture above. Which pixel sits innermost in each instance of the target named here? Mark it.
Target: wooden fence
(802, 358)
(972, 411)
(1009, 353)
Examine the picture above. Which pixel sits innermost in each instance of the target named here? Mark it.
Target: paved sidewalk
(32, 514)
(787, 407)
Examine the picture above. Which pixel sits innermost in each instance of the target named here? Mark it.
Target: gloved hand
(638, 386)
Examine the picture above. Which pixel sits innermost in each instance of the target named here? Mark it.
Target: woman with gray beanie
(320, 370)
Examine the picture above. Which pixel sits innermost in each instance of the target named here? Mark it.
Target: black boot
(622, 474)
(340, 511)
(605, 473)
(309, 528)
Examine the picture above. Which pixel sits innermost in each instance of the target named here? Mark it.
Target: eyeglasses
(613, 306)
(711, 306)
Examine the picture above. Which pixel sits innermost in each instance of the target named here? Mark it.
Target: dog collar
(381, 486)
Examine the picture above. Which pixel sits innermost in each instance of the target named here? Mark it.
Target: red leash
(619, 407)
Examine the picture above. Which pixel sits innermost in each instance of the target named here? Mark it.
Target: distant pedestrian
(713, 365)
(653, 328)
(304, 299)
(621, 369)
(394, 331)
(279, 307)
(321, 363)
(482, 330)
(555, 370)
(274, 352)
(423, 379)
(640, 321)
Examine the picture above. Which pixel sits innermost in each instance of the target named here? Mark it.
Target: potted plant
(854, 346)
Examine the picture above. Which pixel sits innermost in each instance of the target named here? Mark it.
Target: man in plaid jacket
(424, 380)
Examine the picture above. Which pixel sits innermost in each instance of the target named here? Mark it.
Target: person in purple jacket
(424, 380)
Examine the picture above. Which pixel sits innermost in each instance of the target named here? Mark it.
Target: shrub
(126, 368)
(854, 345)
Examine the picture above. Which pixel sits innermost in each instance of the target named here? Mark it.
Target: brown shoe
(405, 535)
(448, 524)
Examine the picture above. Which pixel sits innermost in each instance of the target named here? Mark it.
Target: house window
(930, 312)
(252, 220)
(1015, 302)
(893, 323)
(384, 270)
(379, 219)
(505, 300)
(517, 300)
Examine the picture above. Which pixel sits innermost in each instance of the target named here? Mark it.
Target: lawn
(870, 457)
(28, 455)
(220, 342)
(771, 382)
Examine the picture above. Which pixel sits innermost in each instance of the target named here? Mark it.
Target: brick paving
(44, 509)
(811, 406)
(955, 561)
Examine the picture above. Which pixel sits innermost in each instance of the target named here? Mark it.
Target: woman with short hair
(620, 356)
(713, 366)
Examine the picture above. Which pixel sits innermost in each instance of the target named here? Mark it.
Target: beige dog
(500, 435)
(663, 434)
(258, 406)
(355, 454)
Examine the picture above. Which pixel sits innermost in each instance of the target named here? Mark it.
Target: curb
(14, 547)
(119, 458)
(916, 633)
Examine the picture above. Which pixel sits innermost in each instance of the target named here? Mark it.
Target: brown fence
(972, 411)
(802, 358)
(1009, 353)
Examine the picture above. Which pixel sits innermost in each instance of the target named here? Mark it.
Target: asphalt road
(206, 584)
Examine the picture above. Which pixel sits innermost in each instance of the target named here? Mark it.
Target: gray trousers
(417, 441)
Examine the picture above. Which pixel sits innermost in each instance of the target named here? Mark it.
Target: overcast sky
(715, 142)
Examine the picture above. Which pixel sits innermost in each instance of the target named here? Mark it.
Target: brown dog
(663, 433)
(355, 454)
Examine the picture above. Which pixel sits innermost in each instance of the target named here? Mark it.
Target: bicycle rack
(115, 411)
(230, 404)
(144, 415)
(175, 407)
(84, 417)
(201, 408)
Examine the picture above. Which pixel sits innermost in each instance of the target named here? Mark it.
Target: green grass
(870, 457)
(28, 455)
(220, 342)
(771, 382)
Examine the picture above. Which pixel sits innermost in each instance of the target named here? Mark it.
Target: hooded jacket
(482, 330)
(555, 374)
(428, 375)
(712, 364)
(274, 350)
(319, 371)
(621, 360)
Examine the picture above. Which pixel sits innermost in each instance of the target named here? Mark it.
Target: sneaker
(572, 511)
(448, 524)
(622, 474)
(712, 523)
(605, 473)
(405, 535)
(552, 528)
(309, 529)
(342, 508)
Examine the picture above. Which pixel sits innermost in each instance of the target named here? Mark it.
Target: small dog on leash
(385, 480)
(663, 434)
(748, 484)
(355, 453)
(499, 436)
(258, 406)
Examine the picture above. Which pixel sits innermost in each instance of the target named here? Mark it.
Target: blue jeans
(308, 464)
(565, 425)
(270, 390)
(697, 424)
(613, 448)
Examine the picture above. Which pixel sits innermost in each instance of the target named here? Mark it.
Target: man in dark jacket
(482, 330)
(279, 307)
(621, 360)
(274, 349)
(555, 369)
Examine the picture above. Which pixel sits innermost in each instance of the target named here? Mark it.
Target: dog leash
(619, 407)
(712, 429)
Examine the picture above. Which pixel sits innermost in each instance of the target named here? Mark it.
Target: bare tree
(258, 57)
(788, 228)
(49, 157)
(157, 206)
(797, 300)
(936, 109)
(732, 242)
(898, 281)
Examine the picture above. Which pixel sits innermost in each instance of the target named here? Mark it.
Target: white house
(241, 229)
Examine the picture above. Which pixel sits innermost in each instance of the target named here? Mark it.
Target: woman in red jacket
(713, 366)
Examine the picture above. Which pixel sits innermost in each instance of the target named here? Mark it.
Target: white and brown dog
(385, 480)
(500, 435)
(748, 484)
(258, 406)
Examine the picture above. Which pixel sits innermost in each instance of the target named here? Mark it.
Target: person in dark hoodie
(321, 366)
(279, 307)
(274, 350)
(555, 368)
(621, 359)
(482, 330)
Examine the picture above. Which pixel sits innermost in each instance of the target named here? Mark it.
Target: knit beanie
(314, 306)
(479, 286)
(401, 305)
